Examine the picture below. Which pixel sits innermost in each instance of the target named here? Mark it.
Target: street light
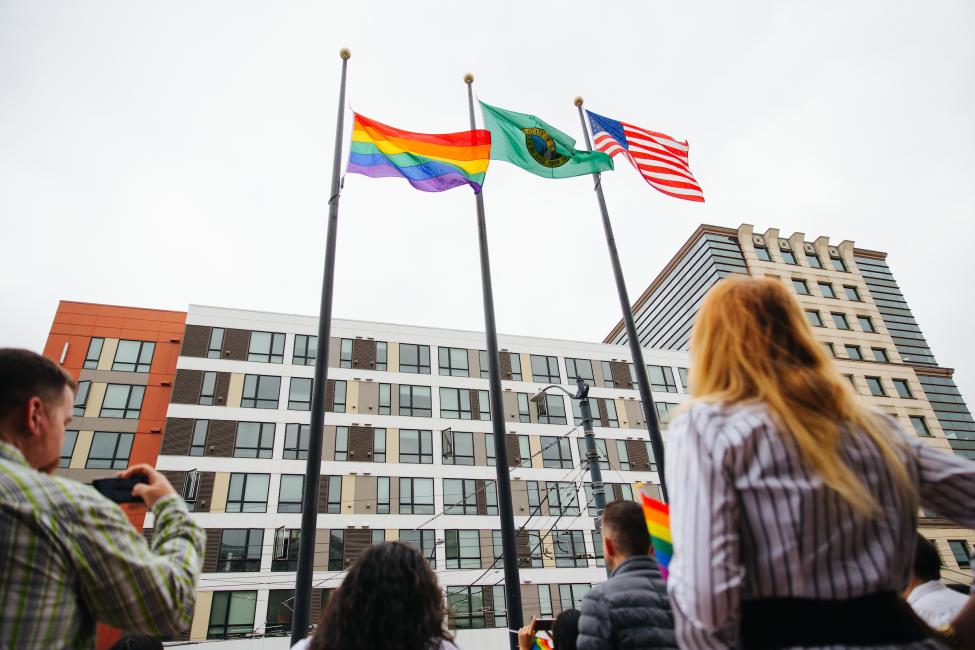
(595, 473)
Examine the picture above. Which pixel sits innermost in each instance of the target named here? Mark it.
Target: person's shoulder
(712, 420)
(81, 501)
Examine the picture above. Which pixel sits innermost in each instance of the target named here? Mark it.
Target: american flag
(660, 159)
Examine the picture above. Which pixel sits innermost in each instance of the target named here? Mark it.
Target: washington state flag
(537, 147)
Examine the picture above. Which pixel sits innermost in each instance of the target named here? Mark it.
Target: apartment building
(408, 454)
(857, 310)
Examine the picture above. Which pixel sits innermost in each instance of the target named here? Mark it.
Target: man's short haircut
(25, 374)
(623, 522)
(927, 562)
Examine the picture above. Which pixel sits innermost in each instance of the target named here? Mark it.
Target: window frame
(878, 383)
(290, 505)
(72, 436)
(91, 362)
(81, 398)
(923, 431)
(814, 318)
(866, 324)
(411, 391)
(275, 347)
(453, 362)
(254, 385)
(294, 434)
(242, 503)
(412, 506)
(225, 629)
(451, 457)
(421, 353)
(462, 556)
(305, 350)
(247, 563)
(215, 343)
(902, 388)
(467, 504)
(826, 289)
(545, 415)
(424, 447)
(299, 383)
(852, 293)
(122, 441)
(264, 447)
(546, 377)
(132, 408)
(460, 397)
(561, 457)
(140, 365)
(801, 286)
(667, 384)
(840, 321)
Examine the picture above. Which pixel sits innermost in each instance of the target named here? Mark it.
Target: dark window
(296, 439)
(880, 354)
(920, 426)
(876, 388)
(280, 609)
(190, 488)
(109, 450)
(231, 612)
(382, 355)
(208, 388)
(600, 451)
(382, 495)
(81, 398)
(624, 455)
(299, 394)
(853, 352)
(336, 549)
(551, 410)
(866, 324)
(814, 260)
(490, 498)
(94, 351)
(579, 369)
(423, 541)
(240, 550)
(67, 448)
(515, 366)
(524, 452)
(290, 492)
(385, 399)
(662, 379)
(459, 496)
(500, 605)
(762, 253)
(254, 440)
(133, 356)
(840, 321)
(556, 452)
(653, 459)
(122, 401)
(285, 551)
(458, 447)
(608, 375)
(483, 405)
(562, 498)
(852, 293)
(345, 353)
(800, 286)
(490, 450)
(248, 493)
(267, 347)
(534, 496)
(454, 362)
(306, 349)
(545, 369)
(524, 414)
(570, 548)
(537, 559)
(903, 389)
(838, 263)
(414, 358)
(455, 403)
(466, 606)
(333, 505)
(959, 548)
(597, 546)
(788, 256)
(415, 496)
(416, 446)
(341, 443)
(571, 595)
(813, 317)
(497, 550)
(379, 445)
(261, 392)
(826, 289)
(415, 401)
(545, 600)
(685, 374)
(664, 412)
(339, 396)
(463, 549)
(215, 346)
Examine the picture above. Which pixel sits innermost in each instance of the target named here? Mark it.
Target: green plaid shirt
(69, 557)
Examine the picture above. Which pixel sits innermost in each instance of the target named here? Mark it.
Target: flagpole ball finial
(578, 101)
(344, 53)
(468, 78)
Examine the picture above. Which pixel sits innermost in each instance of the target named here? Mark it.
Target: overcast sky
(165, 153)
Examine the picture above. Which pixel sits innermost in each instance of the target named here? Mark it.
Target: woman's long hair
(389, 599)
(752, 343)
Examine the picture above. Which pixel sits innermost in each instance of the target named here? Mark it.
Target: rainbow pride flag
(657, 515)
(541, 643)
(429, 162)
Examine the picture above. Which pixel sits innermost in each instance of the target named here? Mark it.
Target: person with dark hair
(137, 642)
(935, 603)
(390, 600)
(70, 556)
(565, 632)
(630, 609)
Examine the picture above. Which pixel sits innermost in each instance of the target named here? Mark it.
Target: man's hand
(157, 487)
(526, 636)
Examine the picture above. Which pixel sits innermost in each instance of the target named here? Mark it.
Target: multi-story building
(858, 312)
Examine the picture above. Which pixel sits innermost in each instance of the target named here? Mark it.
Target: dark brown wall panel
(488, 606)
(196, 340)
(599, 413)
(357, 540)
(637, 451)
(329, 394)
(176, 437)
(480, 497)
(236, 344)
(221, 438)
(621, 374)
(361, 443)
(205, 492)
(187, 386)
(475, 405)
(222, 389)
(523, 548)
(212, 551)
(514, 458)
(504, 360)
(363, 354)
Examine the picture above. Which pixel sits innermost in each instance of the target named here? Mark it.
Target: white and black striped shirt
(748, 521)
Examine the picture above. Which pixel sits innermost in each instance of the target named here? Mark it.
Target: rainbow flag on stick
(429, 162)
(541, 643)
(657, 515)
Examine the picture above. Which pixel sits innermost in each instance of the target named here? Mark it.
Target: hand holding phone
(119, 490)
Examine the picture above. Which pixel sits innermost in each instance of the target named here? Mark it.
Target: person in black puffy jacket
(631, 609)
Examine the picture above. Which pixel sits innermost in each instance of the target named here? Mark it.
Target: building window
(333, 503)
(963, 556)
(483, 405)
(109, 450)
(880, 354)
(306, 349)
(254, 440)
(416, 446)
(662, 379)
(266, 347)
(289, 495)
(231, 612)
(379, 445)
(454, 362)
(876, 388)
(597, 547)
(600, 451)
(853, 352)
(458, 447)
(524, 414)
(299, 394)
(285, 550)
(826, 289)
(571, 595)
(466, 605)
(416, 496)
(556, 452)
(336, 549)
(551, 410)
(903, 389)
(190, 488)
(463, 549)
(788, 256)
(608, 375)
(215, 346)
(920, 426)
(385, 399)
(515, 360)
(382, 355)
(260, 392)
(414, 358)
(624, 455)
(838, 262)
(579, 369)
(685, 374)
(866, 324)
(800, 286)
(422, 540)
(122, 401)
(133, 356)
(208, 388)
(536, 559)
(341, 443)
(534, 496)
(248, 493)
(562, 498)
(67, 448)
(415, 401)
(814, 260)
(524, 452)
(240, 550)
(762, 253)
(650, 456)
(94, 352)
(296, 440)
(570, 549)
(81, 398)
(545, 369)
(455, 403)
(813, 317)
(382, 495)
(840, 321)
(544, 600)
(497, 558)
(345, 353)
(339, 393)
(459, 496)
(280, 609)
(490, 450)
(664, 412)
(852, 293)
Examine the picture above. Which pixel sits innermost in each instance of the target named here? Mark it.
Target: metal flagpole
(313, 468)
(649, 409)
(512, 581)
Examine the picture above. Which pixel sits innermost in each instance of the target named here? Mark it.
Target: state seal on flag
(541, 146)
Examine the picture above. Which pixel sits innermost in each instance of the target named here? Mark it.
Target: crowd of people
(793, 516)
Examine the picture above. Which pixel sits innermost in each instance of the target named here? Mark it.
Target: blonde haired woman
(793, 506)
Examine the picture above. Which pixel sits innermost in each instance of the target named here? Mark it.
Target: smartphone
(544, 624)
(119, 490)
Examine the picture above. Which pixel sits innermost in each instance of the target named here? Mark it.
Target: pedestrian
(137, 642)
(935, 603)
(565, 631)
(389, 599)
(630, 609)
(793, 506)
(70, 556)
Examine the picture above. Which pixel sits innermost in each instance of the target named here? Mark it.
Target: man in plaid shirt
(68, 556)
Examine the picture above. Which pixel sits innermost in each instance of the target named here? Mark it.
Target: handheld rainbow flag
(541, 643)
(429, 162)
(657, 515)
